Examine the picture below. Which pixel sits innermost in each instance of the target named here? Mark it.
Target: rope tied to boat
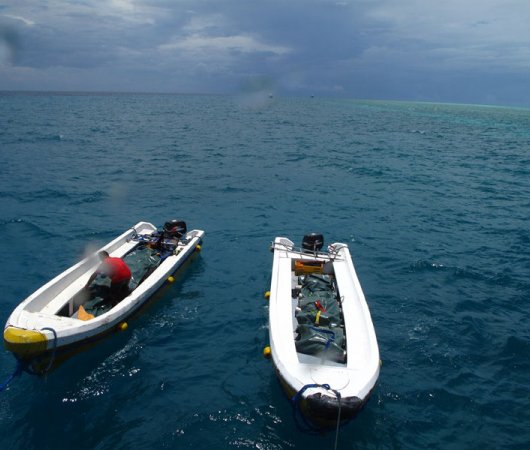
(337, 394)
(25, 366)
(17, 372)
(310, 427)
(54, 350)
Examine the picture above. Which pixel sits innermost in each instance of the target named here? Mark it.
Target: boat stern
(24, 343)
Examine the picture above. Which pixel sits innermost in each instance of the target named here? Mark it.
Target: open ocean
(433, 200)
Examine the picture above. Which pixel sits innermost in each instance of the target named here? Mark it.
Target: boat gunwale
(76, 331)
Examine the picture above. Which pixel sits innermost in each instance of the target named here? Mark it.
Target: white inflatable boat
(322, 340)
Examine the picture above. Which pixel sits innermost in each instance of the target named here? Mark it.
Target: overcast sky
(467, 51)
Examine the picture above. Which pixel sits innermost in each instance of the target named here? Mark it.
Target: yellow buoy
(123, 326)
(267, 352)
(267, 294)
(198, 248)
(171, 279)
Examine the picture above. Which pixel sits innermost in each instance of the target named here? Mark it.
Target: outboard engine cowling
(312, 242)
(175, 229)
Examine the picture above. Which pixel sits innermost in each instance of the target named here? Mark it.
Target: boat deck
(318, 323)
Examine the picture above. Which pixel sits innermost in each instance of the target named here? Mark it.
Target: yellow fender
(24, 342)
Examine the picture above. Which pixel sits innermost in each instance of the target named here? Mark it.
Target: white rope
(338, 421)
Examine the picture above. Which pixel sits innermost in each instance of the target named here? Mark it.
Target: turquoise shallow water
(433, 201)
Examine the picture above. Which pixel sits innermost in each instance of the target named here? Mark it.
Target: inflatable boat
(322, 340)
(71, 309)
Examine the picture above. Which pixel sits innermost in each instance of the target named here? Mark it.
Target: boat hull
(38, 327)
(324, 389)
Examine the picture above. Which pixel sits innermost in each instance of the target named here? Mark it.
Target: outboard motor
(312, 242)
(175, 229)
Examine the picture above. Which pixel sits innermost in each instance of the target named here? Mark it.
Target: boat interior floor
(318, 322)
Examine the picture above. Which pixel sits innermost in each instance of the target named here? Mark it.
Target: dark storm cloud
(410, 49)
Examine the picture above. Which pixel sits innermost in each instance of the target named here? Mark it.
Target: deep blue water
(434, 201)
